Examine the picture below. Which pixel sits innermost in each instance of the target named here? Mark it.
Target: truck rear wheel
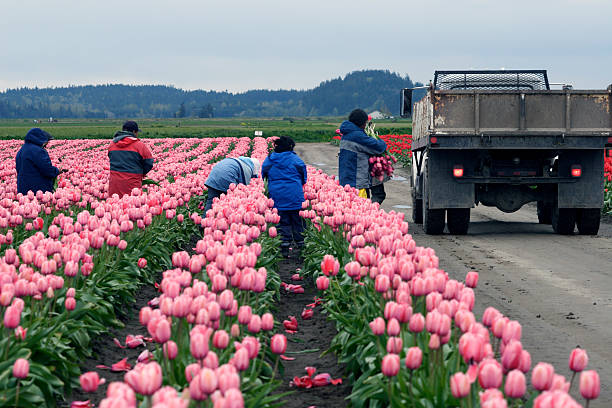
(433, 219)
(563, 220)
(458, 220)
(544, 212)
(587, 221)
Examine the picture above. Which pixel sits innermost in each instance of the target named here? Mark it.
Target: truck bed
(579, 119)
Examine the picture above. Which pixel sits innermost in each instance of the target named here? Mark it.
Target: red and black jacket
(130, 159)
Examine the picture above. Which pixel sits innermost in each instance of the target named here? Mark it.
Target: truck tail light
(458, 171)
(576, 170)
(433, 140)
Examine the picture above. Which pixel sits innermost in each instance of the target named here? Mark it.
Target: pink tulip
(394, 345)
(414, 358)
(589, 384)
(207, 381)
(578, 360)
(70, 303)
(220, 339)
(393, 327)
(21, 368)
(255, 324)
(329, 265)
(244, 315)
(198, 345)
(145, 379)
(191, 371)
(490, 374)
(471, 280)
(515, 384)
(278, 344)
(511, 356)
(460, 385)
(382, 283)
(322, 283)
(240, 359)
(159, 329)
(417, 323)
(142, 263)
(542, 376)
(378, 326)
(390, 365)
(170, 350)
(12, 316)
(267, 321)
(90, 381)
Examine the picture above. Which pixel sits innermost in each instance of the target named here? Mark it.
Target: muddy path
(558, 287)
(312, 339)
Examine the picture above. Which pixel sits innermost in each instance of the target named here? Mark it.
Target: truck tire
(433, 220)
(587, 221)
(417, 210)
(458, 220)
(544, 212)
(563, 220)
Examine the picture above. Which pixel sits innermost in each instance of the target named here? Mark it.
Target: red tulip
(142, 263)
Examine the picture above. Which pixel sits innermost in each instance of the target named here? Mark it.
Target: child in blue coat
(286, 174)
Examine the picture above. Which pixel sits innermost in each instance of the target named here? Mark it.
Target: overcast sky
(237, 45)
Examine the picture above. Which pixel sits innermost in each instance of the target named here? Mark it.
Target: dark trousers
(212, 194)
(377, 193)
(291, 227)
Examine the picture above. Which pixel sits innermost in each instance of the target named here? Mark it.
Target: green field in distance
(316, 129)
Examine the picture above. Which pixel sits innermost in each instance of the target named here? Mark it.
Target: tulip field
(73, 260)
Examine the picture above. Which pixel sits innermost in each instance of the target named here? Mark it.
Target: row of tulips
(406, 331)
(215, 335)
(69, 259)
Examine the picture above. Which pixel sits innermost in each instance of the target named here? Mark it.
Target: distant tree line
(370, 90)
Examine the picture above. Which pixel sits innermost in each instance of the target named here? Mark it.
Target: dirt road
(558, 287)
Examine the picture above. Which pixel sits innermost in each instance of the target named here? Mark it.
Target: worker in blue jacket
(286, 174)
(230, 170)
(33, 164)
(356, 148)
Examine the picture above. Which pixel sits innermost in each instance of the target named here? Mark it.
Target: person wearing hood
(130, 159)
(229, 170)
(286, 174)
(356, 148)
(33, 164)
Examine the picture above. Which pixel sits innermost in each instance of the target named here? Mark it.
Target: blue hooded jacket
(231, 170)
(286, 174)
(356, 147)
(33, 164)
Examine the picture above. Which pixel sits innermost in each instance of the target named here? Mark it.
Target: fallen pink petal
(284, 357)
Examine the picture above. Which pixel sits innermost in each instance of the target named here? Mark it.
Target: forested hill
(370, 90)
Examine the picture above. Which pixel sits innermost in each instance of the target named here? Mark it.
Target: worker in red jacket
(130, 159)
